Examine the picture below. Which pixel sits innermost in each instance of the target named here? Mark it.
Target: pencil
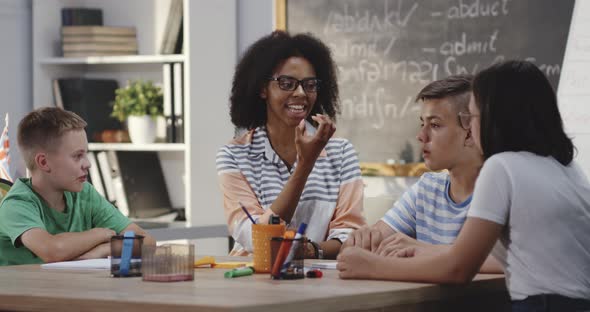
(247, 213)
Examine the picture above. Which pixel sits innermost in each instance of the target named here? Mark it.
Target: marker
(315, 273)
(294, 246)
(245, 271)
(247, 213)
(282, 253)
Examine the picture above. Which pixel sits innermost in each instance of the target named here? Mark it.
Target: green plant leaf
(138, 98)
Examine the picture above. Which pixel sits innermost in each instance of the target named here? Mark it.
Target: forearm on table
(100, 251)
(434, 268)
(63, 246)
(490, 265)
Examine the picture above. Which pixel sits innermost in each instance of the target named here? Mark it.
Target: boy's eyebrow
(431, 117)
(80, 150)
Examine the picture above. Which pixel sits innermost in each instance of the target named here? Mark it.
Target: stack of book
(80, 41)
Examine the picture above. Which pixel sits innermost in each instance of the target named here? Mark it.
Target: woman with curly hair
(285, 162)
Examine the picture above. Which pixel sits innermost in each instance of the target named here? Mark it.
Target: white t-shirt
(545, 209)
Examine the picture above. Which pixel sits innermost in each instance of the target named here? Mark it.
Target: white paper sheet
(90, 264)
(328, 265)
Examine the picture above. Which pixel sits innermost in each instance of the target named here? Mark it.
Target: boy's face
(68, 163)
(441, 135)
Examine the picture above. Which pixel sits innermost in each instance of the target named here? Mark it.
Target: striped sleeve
(225, 161)
(234, 188)
(349, 207)
(402, 216)
(350, 169)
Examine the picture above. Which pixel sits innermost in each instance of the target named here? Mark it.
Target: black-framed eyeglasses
(288, 83)
(465, 119)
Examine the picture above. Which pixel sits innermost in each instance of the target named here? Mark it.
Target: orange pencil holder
(261, 236)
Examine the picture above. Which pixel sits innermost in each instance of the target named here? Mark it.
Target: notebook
(328, 265)
(90, 264)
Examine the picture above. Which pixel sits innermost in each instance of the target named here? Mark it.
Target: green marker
(245, 271)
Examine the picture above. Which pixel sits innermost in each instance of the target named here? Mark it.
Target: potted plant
(139, 103)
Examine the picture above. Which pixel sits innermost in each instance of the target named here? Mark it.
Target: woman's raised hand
(310, 147)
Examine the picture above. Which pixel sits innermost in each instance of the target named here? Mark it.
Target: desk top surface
(29, 287)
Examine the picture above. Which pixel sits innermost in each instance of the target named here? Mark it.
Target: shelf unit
(155, 147)
(209, 56)
(122, 59)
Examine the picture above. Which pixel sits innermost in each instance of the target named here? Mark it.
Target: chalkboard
(387, 50)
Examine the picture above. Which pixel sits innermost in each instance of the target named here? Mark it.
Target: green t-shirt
(23, 209)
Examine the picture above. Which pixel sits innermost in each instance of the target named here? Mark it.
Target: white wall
(255, 20)
(16, 71)
(212, 51)
(574, 84)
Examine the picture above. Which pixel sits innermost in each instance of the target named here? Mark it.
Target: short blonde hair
(42, 128)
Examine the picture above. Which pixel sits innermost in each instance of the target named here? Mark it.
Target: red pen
(282, 253)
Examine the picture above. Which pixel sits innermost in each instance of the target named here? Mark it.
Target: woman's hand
(367, 237)
(310, 147)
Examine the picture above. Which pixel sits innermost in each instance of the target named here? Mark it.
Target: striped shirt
(427, 212)
(251, 172)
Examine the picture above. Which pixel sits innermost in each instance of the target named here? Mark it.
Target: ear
(263, 93)
(42, 163)
(469, 142)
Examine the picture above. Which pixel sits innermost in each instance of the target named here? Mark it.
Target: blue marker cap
(302, 228)
(126, 253)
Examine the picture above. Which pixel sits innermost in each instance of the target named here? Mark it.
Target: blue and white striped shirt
(250, 171)
(427, 212)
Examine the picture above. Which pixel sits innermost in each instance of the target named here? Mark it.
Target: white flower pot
(142, 129)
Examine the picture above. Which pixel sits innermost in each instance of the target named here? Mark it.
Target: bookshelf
(123, 59)
(155, 147)
(208, 61)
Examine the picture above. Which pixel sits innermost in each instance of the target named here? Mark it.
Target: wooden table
(30, 288)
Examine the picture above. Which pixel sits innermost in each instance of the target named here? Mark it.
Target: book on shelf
(81, 16)
(98, 39)
(107, 176)
(173, 101)
(173, 28)
(134, 183)
(94, 174)
(96, 53)
(118, 187)
(167, 109)
(57, 94)
(98, 31)
(90, 99)
(144, 184)
(178, 47)
(130, 47)
(178, 99)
